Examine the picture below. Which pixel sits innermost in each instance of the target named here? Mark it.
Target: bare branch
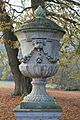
(63, 3)
(58, 1)
(62, 16)
(74, 2)
(22, 10)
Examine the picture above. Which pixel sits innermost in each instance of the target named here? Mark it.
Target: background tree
(22, 84)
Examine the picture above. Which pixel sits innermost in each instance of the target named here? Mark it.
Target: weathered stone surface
(39, 42)
(40, 53)
(39, 98)
(29, 114)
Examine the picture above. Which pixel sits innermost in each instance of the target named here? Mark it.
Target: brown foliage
(70, 102)
(7, 103)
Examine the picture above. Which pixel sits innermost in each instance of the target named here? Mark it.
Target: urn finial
(40, 12)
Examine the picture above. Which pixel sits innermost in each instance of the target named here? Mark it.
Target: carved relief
(42, 70)
(49, 48)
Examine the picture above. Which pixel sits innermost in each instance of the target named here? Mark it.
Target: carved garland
(38, 45)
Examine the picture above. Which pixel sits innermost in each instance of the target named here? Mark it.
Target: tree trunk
(13, 62)
(36, 3)
(22, 84)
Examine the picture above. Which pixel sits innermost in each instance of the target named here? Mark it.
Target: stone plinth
(37, 114)
(40, 45)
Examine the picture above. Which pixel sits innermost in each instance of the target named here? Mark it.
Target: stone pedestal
(37, 114)
(39, 98)
(38, 105)
(40, 46)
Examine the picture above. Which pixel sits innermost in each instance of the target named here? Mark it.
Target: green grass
(51, 85)
(7, 83)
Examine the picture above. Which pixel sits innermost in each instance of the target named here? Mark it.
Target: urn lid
(40, 21)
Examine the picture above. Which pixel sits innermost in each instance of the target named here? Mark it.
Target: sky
(27, 3)
(18, 2)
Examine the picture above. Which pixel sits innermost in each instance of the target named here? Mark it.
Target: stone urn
(39, 52)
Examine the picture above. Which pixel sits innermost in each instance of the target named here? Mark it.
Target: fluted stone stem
(39, 98)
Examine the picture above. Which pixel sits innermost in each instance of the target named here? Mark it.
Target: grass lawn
(8, 84)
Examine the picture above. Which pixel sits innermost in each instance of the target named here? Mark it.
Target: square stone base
(37, 114)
